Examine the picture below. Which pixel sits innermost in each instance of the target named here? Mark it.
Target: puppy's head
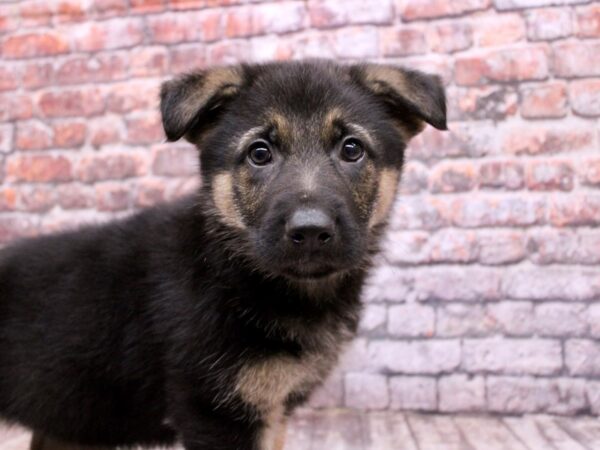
(301, 160)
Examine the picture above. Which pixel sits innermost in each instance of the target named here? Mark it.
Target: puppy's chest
(267, 382)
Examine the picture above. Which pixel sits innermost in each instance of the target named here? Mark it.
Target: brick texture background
(488, 295)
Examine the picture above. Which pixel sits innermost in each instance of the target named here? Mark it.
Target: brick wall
(487, 297)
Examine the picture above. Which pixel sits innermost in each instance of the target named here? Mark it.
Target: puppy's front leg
(202, 427)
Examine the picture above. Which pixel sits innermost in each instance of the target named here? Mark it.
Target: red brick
(356, 43)
(450, 37)
(175, 161)
(33, 136)
(426, 9)
(498, 210)
(551, 283)
(548, 24)
(412, 393)
(576, 59)
(186, 4)
(35, 13)
(575, 210)
(536, 139)
(9, 18)
(588, 21)
(585, 97)
(13, 227)
(549, 246)
(34, 44)
(511, 318)
(543, 101)
(501, 247)
(518, 395)
(185, 27)
(582, 357)
(549, 175)
(36, 198)
(131, 96)
(411, 320)
(105, 130)
(108, 167)
(149, 192)
(414, 178)
(407, 247)
(486, 102)
(327, 13)
(402, 41)
(414, 357)
(15, 106)
(107, 35)
(515, 64)
(6, 137)
(8, 198)
(72, 11)
(331, 13)
(83, 69)
(512, 356)
(452, 177)
(72, 102)
(313, 45)
(498, 30)
(110, 8)
(455, 283)
(452, 246)
(112, 197)
(366, 391)
(186, 58)
(589, 171)
(461, 393)
(228, 52)
(462, 319)
(9, 78)
(271, 48)
(69, 134)
(38, 168)
(37, 74)
(287, 17)
(75, 196)
(239, 22)
(432, 145)
(147, 6)
(560, 319)
(144, 129)
(522, 4)
(501, 175)
(426, 212)
(149, 61)
(373, 319)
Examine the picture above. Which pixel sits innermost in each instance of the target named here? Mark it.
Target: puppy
(210, 319)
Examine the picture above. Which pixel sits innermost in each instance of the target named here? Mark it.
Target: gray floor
(349, 430)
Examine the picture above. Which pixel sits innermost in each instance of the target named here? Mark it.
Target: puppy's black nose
(310, 227)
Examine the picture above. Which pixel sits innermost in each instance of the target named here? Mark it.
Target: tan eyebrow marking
(363, 133)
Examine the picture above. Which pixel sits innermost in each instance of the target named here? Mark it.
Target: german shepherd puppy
(210, 319)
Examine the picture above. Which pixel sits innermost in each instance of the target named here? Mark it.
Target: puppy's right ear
(193, 101)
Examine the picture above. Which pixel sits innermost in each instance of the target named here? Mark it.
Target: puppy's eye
(352, 150)
(259, 154)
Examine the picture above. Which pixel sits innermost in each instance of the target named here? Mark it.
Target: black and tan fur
(205, 319)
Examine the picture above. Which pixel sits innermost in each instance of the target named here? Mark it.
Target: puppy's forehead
(294, 102)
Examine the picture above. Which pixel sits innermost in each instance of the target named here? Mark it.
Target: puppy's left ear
(412, 97)
(191, 103)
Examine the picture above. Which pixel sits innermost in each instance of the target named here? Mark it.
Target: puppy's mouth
(308, 273)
